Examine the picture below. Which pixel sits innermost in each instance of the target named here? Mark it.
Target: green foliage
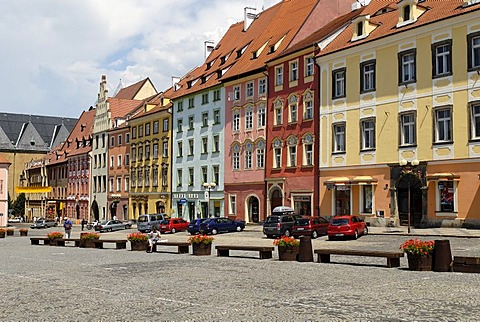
(18, 205)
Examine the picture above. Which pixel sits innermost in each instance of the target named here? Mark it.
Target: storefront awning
(337, 181)
(361, 180)
(358, 180)
(444, 176)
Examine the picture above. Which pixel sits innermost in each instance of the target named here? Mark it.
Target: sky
(53, 52)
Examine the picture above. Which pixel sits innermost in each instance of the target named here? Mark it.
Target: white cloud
(55, 51)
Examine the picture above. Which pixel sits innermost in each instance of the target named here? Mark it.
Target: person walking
(84, 223)
(154, 236)
(67, 224)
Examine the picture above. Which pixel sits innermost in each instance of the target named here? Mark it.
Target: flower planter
(418, 262)
(202, 249)
(23, 232)
(87, 243)
(2, 234)
(53, 242)
(288, 253)
(139, 245)
(10, 232)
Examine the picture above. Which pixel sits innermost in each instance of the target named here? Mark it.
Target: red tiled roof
(119, 108)
(4, 161)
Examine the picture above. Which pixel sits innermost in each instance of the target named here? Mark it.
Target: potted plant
(201, 244)
(419, 254)
(87, 240)
(23, 231)
(138, 241)
(2, 233)
(288, 248)
(10, 231)
(53, 236)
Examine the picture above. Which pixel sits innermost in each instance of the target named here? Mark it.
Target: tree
(19, 205)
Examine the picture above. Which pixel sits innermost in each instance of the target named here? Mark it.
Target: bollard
(306, 252)
(442, 256)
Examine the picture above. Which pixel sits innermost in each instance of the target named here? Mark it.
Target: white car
(15, 220)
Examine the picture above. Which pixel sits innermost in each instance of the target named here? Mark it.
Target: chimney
(249, 17)
(208, 47)
(359, 3)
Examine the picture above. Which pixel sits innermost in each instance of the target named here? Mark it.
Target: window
(293, 109)
(293, 71)
(366, 199)
(309, 66)
(180, 149)
(110, 183)
(446, 196)
(308, 110)
(262, 117)
(473, 42)
(127, 137)
(233, 204)
(127, 159)
(140, 178)
(179, 177)
(190, 122)
(204, 174)
(119, 161)
(277, 153)
(279, 75)
(205, 119)
(367, 76)
(134, 133)
(249, 90)
(140, 131)
(127, 184)
(338, 85)
(359, 28)
(191, 176)
(204, 145)
(147, 151)
(205, 98)
(216, 143)
(408, 129)
(308, 159)
(248, 155)
(216, 174)
(443, 125)
(406, 13)
(190, 147)
(119, 139)
(407, 67)
(339, 137)
(179, 125)
(165, 149)
(147, 129)
(147, 177)
(155, 176)
(236, 158)
(112, 161)
(442, 59)
(249, 118)
(112, 141)
(236, 121)
(140, 153)
(166, 125)
(216, 117)
(191, 102)
(368, 134)
(216, 95)
(236, 93)
(260, 155)
(155, 150)
(278, 107)
(292, 152)
(180, 106)
(262, 86)
(475, 121)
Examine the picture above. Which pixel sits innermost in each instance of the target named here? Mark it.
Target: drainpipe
(316, 127)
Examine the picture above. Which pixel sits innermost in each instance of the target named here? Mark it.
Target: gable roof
(81, 133)
(131, 92)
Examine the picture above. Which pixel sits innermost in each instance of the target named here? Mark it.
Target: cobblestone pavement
(45, 283)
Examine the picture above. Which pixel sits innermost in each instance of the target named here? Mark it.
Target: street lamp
(405, 166)
(208, 186)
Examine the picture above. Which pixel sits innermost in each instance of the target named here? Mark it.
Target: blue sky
(55, 51)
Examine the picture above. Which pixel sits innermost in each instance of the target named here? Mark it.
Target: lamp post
(408, 167)
(209, 187)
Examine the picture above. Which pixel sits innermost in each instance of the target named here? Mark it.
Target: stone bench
(61, 241)
(393, 258)
(36, 240)
(119, 243)
(182, 247)
(466, 264)
(265, 252)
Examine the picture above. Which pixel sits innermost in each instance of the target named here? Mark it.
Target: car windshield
(165, 222)
(103, 222)
(339, 222)
(272, 219)
(302, 222)
(142, 219)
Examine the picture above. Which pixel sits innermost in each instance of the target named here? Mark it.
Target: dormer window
(360, 28)
(409, 11)
(406, 13)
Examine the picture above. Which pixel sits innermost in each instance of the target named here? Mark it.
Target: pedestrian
(67, 224)
(84, 223)
(154, 236)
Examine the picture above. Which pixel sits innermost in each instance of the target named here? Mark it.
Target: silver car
(111, 225)
(44, 223)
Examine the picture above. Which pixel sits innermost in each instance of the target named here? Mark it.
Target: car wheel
(365, 231)
(287, 233)
(269, 236)
(174, 230)
(355, 236)
(331, 238)
(214, 231)
(109, 229)
(239, 228)
(314, 234)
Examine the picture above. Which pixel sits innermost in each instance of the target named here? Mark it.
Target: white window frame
(309, 66)
(339, 137)
(262, 86)
(408, 129)
(475, 121)
(249, 118)
(339, 83)
(279, 75)
(294, 71)
(249, 90)
(236, 121)
(445, 123)
(368, 134)
(261, 115)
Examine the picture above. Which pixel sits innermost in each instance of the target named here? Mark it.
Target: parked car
(220, 225)
(194, 225)
(146, 222)
(280, 223)
(346, 226)
(15, 220)
(173, 225)
(44, 223)
(111, 225)
(310, 226)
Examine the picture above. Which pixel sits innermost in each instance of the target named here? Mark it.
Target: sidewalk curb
(420, 235)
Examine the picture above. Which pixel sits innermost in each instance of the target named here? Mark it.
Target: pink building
(4, 164)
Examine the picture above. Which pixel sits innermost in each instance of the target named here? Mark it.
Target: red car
(173, 225)
(346, 226)
(310, 226)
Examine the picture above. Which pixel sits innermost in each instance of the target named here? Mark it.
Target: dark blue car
(194, 225)
(221, 225)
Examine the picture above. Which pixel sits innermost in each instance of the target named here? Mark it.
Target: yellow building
(400, 114)
(150, 159)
